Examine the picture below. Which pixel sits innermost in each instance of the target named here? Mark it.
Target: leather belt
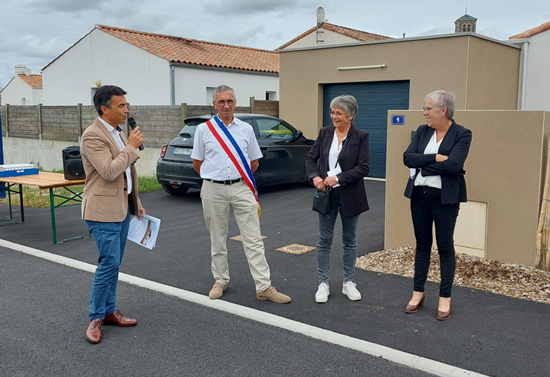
(228, 182)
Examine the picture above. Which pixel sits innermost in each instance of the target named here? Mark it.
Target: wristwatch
(336, 178)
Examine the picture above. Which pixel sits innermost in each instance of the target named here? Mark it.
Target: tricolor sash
(248, 177)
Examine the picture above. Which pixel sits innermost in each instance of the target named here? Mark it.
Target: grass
(33, 197)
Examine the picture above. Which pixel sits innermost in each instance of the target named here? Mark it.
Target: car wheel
(175, 190)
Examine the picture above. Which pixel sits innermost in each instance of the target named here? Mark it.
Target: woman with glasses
(436, 187)
(339, 160)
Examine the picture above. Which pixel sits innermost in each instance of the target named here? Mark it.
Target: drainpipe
(524, 59)
(172, 84)
(522, 87)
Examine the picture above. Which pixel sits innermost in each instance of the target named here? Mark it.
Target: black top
(456, 145)
(354, 160)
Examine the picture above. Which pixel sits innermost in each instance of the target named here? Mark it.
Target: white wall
(329, 38)
(192, 84)
(18, 89)
(538, 73)
(48, 154)
(71, 78)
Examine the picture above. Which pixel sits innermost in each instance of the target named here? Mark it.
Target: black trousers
(426, 210)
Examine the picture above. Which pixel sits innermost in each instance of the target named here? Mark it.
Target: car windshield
(190, 127)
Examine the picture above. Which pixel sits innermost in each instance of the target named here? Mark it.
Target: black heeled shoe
(414, 308)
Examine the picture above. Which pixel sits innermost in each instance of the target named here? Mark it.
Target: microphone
(132, 123)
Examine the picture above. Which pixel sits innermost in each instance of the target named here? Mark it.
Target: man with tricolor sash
(225, 155)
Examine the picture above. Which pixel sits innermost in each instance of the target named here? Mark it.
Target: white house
(158, 69)
(535, 85)
(23, 89)
(325, 34)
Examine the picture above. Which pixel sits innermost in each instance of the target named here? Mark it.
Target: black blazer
(456, 145)
(354, 160)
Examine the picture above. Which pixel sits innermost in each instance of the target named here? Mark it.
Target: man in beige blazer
(110, 196)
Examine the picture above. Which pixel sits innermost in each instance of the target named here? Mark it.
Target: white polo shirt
(216, 164)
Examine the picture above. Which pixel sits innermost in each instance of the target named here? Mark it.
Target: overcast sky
(34, 32)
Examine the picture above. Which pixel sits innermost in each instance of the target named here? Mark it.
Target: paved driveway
(489, 334)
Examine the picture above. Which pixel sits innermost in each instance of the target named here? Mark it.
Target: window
(209, 94)
(273, 129)
(23, 102)
(271, 96)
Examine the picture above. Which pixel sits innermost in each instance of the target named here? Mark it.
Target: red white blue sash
(248, 177)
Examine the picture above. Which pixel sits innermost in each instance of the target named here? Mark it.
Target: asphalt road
(43, 305)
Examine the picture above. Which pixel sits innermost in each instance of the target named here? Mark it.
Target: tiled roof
(359, 35)
(196, 52)
(533, 31)
(34, 81)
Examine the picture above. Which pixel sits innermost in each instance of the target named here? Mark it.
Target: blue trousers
(110, 240)
(427, 210)
(326, 233)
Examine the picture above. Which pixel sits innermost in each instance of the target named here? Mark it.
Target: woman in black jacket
(436, 187)
(339, 160)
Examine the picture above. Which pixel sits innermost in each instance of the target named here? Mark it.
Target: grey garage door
(374, 99)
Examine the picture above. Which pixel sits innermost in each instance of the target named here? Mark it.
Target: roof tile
(197, 52)
(34, 81)
(533, 31)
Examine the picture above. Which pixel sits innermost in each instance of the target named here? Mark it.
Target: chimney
(21, 69)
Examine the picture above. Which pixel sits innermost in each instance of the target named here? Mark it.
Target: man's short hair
(104, 95)
(222, 88)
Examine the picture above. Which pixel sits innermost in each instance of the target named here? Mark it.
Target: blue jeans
(110, 240)
(427, 210)
(326, 233)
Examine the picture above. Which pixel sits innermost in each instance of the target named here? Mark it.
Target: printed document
(144, 232)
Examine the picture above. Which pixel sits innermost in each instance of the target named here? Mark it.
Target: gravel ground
(513, 280)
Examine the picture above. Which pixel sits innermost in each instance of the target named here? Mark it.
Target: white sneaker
(322, 293)
(349, 290)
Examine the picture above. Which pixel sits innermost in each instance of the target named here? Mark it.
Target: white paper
(144, 232)
(337, 170)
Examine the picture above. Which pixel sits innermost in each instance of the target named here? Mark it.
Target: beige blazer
(105, 196)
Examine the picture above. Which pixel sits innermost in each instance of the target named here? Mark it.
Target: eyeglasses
(229, 102)
(428, 109)
(337, 114)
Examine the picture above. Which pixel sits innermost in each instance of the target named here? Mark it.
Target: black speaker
(72, 163)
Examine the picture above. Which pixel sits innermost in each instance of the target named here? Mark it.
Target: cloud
(247, 8)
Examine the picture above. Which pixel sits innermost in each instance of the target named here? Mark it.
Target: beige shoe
(217, 291)
(271, 294)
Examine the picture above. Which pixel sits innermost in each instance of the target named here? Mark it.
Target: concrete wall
(48, 154)
(504, 172)
(26, 139)
(483, 73)
(538, 75)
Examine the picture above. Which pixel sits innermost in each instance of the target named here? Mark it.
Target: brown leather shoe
(93, 331)
(443, 316)
(117, 318)
(414, 308)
